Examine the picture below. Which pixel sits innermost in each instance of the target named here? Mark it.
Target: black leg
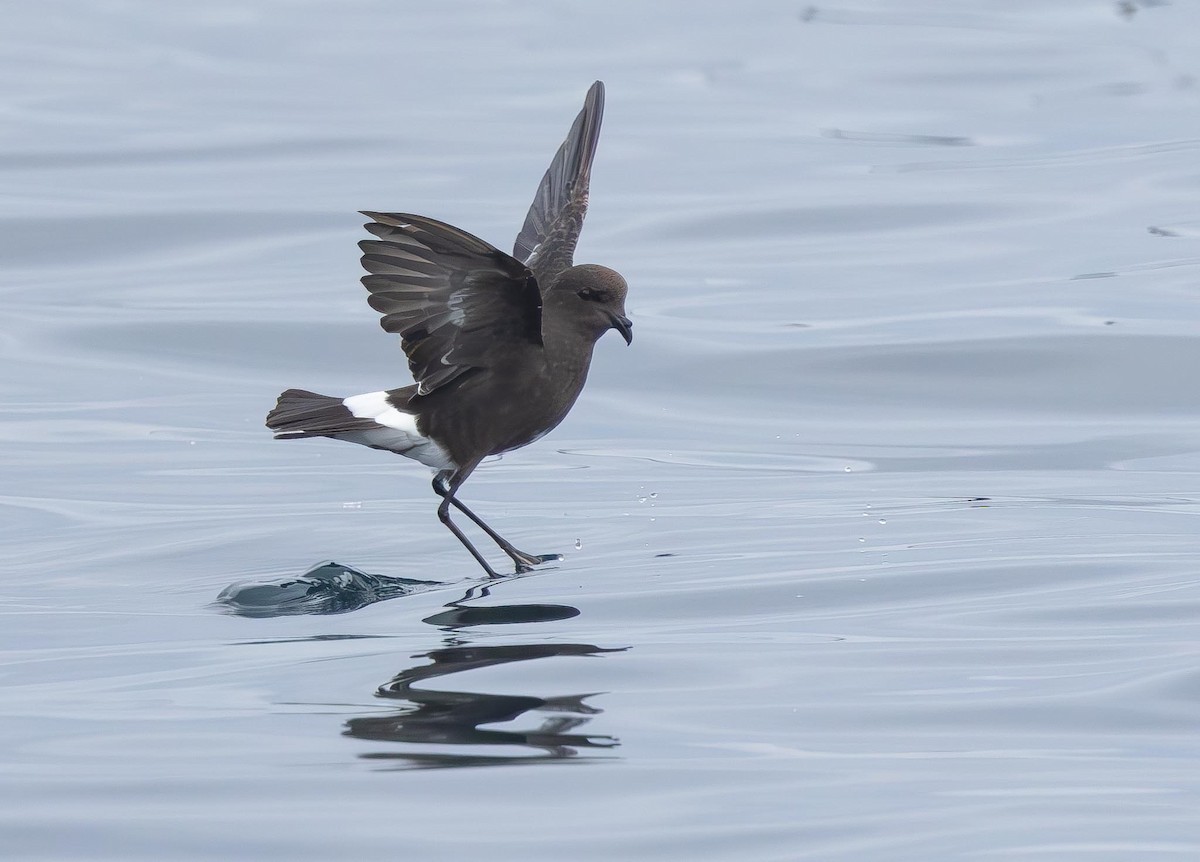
(523, 560)
(445, 485)
(443, 488)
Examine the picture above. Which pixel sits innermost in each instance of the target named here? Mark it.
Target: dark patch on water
(461, 617)
(462, 719)
(328, 588)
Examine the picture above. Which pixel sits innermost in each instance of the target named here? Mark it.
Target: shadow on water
(442, 717)
(421, 716)
(428, 716)
(462, 616)
(334, 588)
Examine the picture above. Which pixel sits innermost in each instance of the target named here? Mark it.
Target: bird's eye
(591, 294)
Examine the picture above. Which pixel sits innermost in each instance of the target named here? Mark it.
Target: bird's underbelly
(487, 422)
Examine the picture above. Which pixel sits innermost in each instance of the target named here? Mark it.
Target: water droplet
(579, 544)
(653, 494)
(847, 469)
(862, 540)
(352, 505)
(883, 520)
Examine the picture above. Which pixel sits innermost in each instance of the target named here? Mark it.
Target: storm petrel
(499, 345)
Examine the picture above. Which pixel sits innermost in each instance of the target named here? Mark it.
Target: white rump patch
(397, 432)
(375, 405)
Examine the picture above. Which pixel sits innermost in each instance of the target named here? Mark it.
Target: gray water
(880, 542)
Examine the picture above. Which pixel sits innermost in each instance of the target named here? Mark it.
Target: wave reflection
(456, 718)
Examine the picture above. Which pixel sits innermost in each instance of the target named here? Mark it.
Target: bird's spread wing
(546, 242)
(456, 302)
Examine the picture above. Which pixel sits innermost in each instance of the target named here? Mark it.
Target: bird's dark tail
(300, 413)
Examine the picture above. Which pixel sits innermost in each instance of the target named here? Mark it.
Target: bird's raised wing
(547, 240)
(456, 302)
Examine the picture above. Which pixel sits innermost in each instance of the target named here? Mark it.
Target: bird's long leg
(522, 560)
(445, 484)
(444, 488)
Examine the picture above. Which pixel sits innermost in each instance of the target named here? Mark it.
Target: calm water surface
(880, 541)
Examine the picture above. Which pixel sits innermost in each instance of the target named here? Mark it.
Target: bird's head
(599, 298)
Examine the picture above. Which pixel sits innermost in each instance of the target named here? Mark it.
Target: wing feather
(547, 240)
(457, 302)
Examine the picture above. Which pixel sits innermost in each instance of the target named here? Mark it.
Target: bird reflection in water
(458, 718)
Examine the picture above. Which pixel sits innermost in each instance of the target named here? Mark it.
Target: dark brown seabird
(499, 345)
